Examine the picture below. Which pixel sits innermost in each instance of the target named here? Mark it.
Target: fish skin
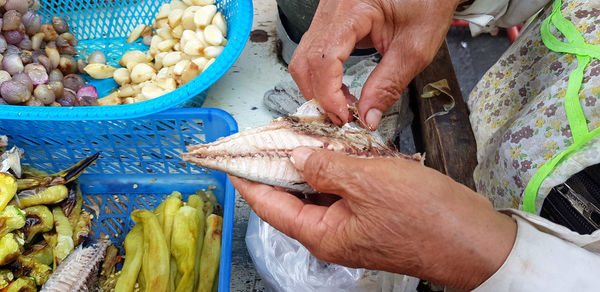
(263, 154)
(78, 271)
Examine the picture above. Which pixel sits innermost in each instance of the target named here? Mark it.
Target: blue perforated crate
(138, 167)
(104, 25)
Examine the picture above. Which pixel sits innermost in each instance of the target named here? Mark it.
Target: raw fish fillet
(263, 154)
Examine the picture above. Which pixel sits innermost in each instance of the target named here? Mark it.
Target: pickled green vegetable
(24, 284)
(11, 218)
(197, 203)
(183, 246)
(42, 196)
(134, 248)
(8, 189)
(10, 248)
(211, 253)
(42, 252)
(64, 236)
(74, 214)
(172, 204)
(155, 261)
(30, 267)
(81, 231)
(6, 277)
(33, 181)
(38, 219)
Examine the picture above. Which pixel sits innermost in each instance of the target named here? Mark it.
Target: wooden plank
(447, 140)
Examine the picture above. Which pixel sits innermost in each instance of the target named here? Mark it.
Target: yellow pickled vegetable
(8, 189)
(196, 202)
(183, 246)
(211, 253)
(155, 261)
(134, 248)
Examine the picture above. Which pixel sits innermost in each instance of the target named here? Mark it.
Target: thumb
(384, 86)
(327, 171)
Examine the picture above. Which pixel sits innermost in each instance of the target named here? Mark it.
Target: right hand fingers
(317, 62)
(385, 85)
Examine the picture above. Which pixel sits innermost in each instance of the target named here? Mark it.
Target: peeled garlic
(180, 66)
(166, 46)
(213, 51)
(191, 72)
(176, 4)
(213, 35)
(193, 47)
(129, 100)
(162, 23)
(121, 76)
(164, 33)
(147, 31)
(99, 71)
(132, 58)
(127, 90)
(136, 33)
(175, 17)
(167, 83)
(187, 19)
(204, 15)
(220, 22)
(171, 59)
(163, 11)
(177, 31)
(158, 60)
(142, 72)
(187, 36)
(111, 99)
(208, 64)
(151, 90)
(200, 37)
(203, 2)
(200, 62)
(154, 45)
(162, 74)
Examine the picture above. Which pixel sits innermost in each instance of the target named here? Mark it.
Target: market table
(447, 140)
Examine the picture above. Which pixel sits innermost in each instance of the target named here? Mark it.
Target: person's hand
(394, 215)
(408, 33)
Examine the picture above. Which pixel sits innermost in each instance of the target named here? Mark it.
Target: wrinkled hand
(407, 33)
(393, 215)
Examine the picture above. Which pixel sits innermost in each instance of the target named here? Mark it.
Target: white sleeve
(547, 257)
(484, 15)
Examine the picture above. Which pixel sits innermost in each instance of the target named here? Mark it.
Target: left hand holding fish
(394, 215)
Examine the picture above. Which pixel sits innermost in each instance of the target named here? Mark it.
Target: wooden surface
(447, 140)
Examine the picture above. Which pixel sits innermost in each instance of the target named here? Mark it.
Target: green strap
(577, 122)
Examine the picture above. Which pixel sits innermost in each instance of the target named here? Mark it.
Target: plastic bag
(286, 265)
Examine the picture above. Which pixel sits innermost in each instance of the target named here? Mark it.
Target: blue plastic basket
(104, 25)
(139, 165)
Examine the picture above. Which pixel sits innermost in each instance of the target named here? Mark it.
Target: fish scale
(263, 154)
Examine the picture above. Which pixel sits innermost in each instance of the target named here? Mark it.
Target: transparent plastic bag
(286, 265)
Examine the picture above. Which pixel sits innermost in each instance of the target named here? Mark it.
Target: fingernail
(299, 157)
(334, 118)
(373, 117)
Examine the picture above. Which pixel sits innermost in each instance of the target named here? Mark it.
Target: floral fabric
(518, 116)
